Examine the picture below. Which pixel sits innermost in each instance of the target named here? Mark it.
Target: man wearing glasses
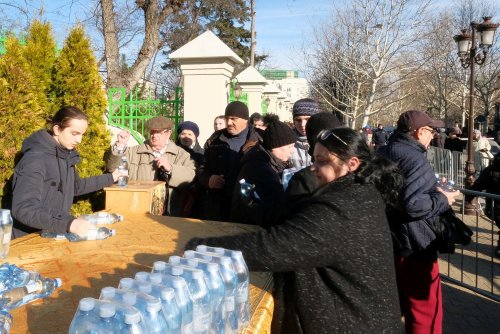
(158, 158)
(416, 253)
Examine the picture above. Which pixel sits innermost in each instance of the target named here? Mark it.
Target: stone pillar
(252, 83)
(207, 66)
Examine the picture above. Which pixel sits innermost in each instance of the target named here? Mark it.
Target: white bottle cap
(174, 260)
(132, 316)
(177, 271)
(126, 283)
(129, 298)
(153, 305)
(202, 248)
(57, 282)
(197, 274)
(86, 304)
(167, 293)
(155, 278)
(108, 292)
(112, 232)
(145, 287)
(159, 266)
(107, 310)
(189, 254)
(142, 276)
(212, 266)
(193, 262)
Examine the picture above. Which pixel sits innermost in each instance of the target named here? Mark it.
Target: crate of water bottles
(205, 291)
(19, 287)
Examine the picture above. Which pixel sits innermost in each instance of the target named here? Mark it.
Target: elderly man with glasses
(158, 158)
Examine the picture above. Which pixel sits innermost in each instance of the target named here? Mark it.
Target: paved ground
(465, 311)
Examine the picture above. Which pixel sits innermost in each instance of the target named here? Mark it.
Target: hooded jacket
(45, 183)
(333, 262)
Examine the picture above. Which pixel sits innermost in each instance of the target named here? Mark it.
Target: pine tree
(20, 111)
(77, 82)
(40, 53)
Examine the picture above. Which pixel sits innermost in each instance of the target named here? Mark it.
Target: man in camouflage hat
(158, 158)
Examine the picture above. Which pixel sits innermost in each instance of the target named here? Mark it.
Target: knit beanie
(188, 125)
(319, 122)
(305, 107)
(277, 134)
(237, 109)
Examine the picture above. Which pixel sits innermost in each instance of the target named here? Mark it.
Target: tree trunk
(111, 50)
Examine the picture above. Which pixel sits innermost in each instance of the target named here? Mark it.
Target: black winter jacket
(489, 180)
(44, 184)
(262, 169)
(218, 159)
(335, 259)
(423, 203)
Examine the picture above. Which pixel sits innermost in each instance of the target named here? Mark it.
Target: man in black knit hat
(263, 166)
(223, 152)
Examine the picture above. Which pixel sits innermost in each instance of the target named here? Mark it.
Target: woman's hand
(117, 173)
(80, 227)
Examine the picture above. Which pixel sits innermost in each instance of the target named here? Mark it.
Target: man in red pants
(417, 267)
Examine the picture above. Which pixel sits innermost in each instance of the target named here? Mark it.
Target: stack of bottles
(19, 287)
(205, 291)
(96, 233)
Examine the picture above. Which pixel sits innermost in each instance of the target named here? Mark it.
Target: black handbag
(450, 231)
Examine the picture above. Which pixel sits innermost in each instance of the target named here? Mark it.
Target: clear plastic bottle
(5, 232)
(5, 322)
(85, 318)
(246, 188)
(216, 286)
(133, 323)
(100, 233)
(446, 185)
(230, 285)
(34, 290)
(123, 168)
(11, 276)
(241, 269)
(102, 218)
(107, 324)
(182, 297)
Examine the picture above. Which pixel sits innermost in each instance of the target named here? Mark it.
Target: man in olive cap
(223, 151)
(158, 158)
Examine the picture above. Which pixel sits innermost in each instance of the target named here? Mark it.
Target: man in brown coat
(158, 158)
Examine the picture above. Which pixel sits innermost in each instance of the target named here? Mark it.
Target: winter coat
(45, 183)
(218, 159)
(196, 152)
(140, 167)
(300, 157)
(333, 263)
(423, 203)
(379, 137)
(262, 169)
(489, 180)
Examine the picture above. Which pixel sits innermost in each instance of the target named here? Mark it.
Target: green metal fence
(132, 111)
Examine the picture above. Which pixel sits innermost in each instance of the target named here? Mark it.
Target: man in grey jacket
(303, 109)
(158, 158)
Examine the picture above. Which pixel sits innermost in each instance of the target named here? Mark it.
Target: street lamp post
(470, 55)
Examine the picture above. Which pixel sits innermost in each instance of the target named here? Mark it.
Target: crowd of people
(348, 240)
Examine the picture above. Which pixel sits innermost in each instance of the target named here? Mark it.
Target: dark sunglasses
(325, 134)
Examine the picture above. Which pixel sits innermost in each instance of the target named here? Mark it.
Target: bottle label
(33, 286)
(6, 237)
(229, 303)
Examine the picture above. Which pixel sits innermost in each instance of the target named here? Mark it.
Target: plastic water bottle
(123, 168)
(248, 190)
(11, 276)
(287, 175)
(200, 295)
(102, 218)
(159, 267)
(182, 297)
(84, 319)
(133, 320)
(243, 290)
(5, 232)
(5, 322)
(34, 290)
(216, 287)
(446, 185)
(121, 310)
(230, 285)
(92, 234)
(154, 315)
(107, 323)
